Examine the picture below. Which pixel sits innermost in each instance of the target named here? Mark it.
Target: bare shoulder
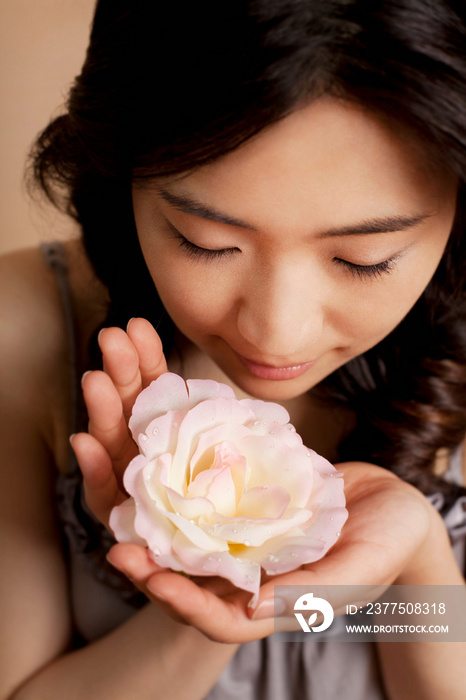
(34, 347)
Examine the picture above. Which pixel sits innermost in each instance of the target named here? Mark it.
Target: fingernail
(270, 607)
(85, 374)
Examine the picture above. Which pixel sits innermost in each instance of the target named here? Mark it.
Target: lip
(274, 373)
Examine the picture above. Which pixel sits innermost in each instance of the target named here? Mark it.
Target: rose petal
(243, 573)
(236, 464)
(287, 554)
(202, 389)
(204, 455)
(161, 434)
(153, 475)
(121, 522)
(167, 393)
(189, 508)
(272, 462)
(267, 411)
(253, 533)
(263, 502)
(222, 492)
(198, 536)
(205, 415)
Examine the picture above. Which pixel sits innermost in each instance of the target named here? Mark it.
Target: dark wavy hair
(167, 87)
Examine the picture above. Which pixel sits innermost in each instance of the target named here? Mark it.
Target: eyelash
(365, 271)
(195, 251)
(361, 271)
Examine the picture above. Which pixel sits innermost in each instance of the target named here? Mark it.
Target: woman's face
(298, 251)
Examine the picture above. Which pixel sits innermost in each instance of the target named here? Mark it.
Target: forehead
(330, 161)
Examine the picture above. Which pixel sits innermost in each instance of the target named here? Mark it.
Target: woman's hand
(392, 531)
(131, 361)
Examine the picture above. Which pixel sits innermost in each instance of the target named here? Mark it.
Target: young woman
(278, 189)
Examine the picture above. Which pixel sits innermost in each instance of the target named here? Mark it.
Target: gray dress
(268, 669)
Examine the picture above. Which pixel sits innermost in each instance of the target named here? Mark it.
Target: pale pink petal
(150, 476)
(189, 508)
(263, 502)
(289, 553)
(222, 492)
(204, 454)
(199, 537)
(151, 524)
(280, 433)
(243, 573)
(253, 533)
(121, 522)
(204, 416)
(167, 393)
(202, 389)
(271, 462)
(161, 434)
(199, 488)
(267, 411)
(330, 514)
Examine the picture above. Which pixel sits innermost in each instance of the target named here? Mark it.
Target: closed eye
(367, 271)
(194, 251)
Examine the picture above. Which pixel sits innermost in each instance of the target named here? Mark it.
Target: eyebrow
(189, 205)
(385, 224)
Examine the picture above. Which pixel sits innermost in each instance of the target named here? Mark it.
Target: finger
(106, 420)
(121, 363)
(223, 620)
(147, 342)
(100, 485)
(133, 561)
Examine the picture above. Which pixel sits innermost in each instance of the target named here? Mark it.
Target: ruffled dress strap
(86, 540)
(454, 516)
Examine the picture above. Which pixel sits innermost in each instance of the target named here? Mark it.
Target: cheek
(197, 300)
(368, 316)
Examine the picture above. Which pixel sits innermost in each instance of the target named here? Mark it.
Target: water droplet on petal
(235, 530)
(256, 423)
(272, 432)
(338, 534)
(155, 551)
(332, 519)
(247, 543)
(155, 431)
(144, 438)
(293, 554)
(308, 454)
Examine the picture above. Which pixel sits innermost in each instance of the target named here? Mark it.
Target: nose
(282, 310)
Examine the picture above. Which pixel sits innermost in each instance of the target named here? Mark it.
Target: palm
(387, 521)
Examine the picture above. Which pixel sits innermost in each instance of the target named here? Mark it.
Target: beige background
(42, 47)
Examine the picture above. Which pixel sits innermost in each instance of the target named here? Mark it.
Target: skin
(281, 295)
(327, 166)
